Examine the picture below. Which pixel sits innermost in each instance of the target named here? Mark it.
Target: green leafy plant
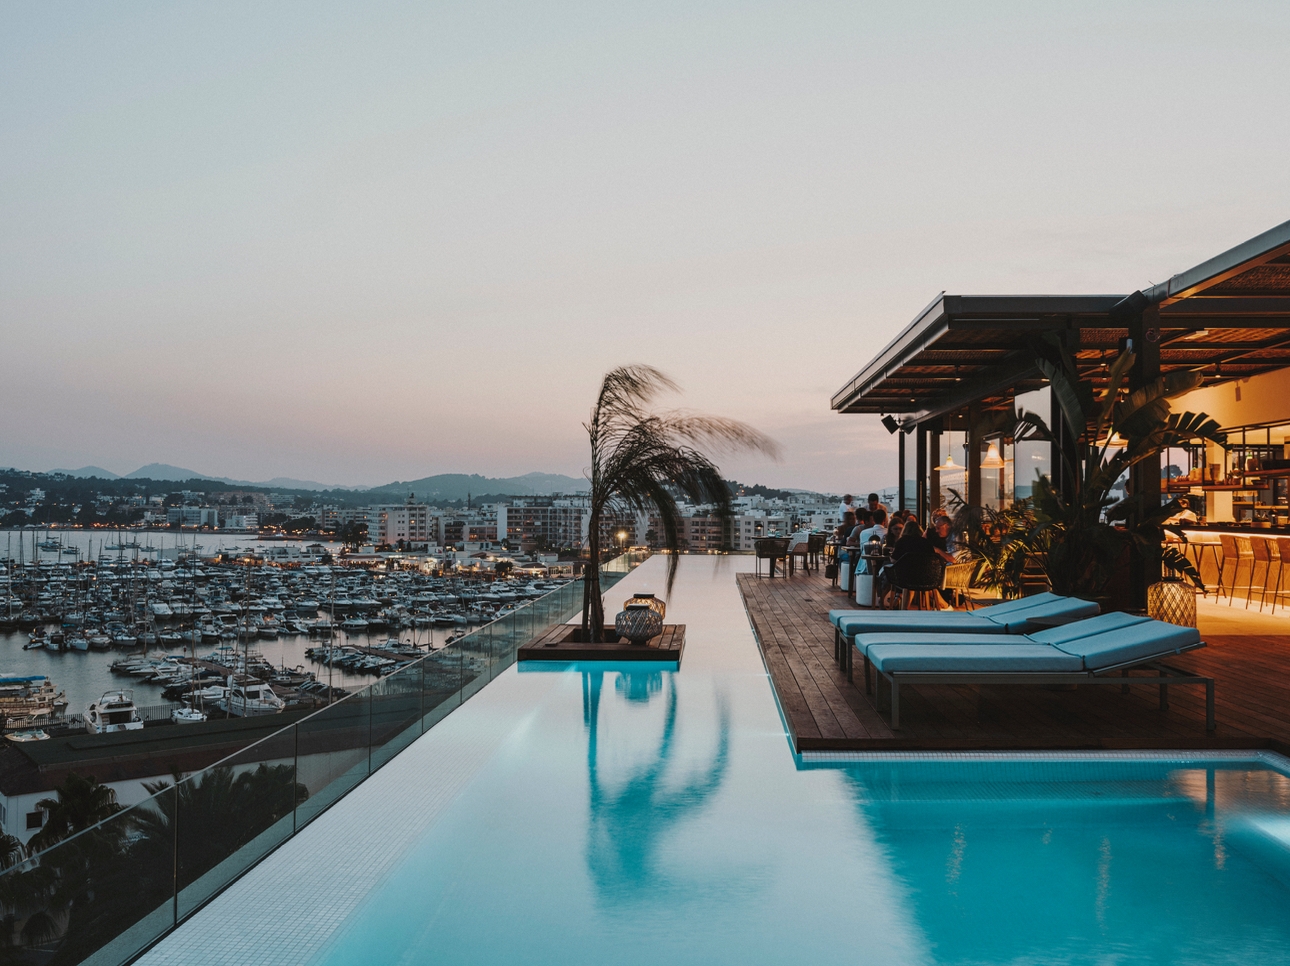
(1075, 533)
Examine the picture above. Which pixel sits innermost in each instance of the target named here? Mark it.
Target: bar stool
(1234, 554)
(1197, 548)
(1262, 550)
(1283, 556)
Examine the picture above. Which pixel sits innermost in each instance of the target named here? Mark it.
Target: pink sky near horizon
(361, 243)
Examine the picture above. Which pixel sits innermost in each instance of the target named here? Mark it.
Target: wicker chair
(958, 581)
(919, 577)
(772, 549)
(800, 551)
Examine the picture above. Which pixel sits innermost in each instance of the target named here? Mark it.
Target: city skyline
(357, 246)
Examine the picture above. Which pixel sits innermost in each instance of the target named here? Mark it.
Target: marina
(219, 630)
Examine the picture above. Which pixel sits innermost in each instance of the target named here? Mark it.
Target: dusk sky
(364, 242)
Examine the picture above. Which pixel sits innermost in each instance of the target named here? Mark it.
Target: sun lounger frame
(1166, 676)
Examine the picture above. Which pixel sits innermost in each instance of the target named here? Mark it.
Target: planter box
(563, 642)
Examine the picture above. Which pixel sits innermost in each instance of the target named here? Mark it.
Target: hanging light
(993, 460)
(1117, 440)
(949, 464)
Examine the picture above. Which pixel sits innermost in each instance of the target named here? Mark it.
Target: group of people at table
(871, 539)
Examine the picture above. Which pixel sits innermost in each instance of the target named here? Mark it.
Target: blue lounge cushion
(1063, 609)
(973, 658)
(1128, 645)
(865, 641)
(917, 621)
(1102, 623)
(1018, 603)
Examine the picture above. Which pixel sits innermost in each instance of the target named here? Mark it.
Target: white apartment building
(409, 522)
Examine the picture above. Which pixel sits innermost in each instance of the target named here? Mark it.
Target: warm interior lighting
(949, 464)
(993, 460)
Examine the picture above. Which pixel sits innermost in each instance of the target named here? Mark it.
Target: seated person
(1185, 514)
(877, 529)
(912, 541)
(939, 536)
(848, 524)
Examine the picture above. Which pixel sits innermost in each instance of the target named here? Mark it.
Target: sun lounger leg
(868, 686)
(1124, 688)
(895, 705)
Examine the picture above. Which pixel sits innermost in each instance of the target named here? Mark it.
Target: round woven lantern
(1172, 601)
(656, 605)
(638, 622)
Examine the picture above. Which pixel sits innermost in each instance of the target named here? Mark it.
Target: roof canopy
(1228, 317)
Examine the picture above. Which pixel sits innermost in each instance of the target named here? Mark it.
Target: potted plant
(642, 461)
(1079, 533)
(1074, 533)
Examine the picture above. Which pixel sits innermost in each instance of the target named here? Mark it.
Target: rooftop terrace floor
(1248, 654)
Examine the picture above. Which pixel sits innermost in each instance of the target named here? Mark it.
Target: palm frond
(642, 462)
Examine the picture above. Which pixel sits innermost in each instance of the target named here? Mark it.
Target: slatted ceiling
(1272, 279)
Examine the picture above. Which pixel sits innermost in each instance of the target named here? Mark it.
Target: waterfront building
(543, 522)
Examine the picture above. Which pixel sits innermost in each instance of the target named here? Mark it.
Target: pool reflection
(1079, 863)
(634, 808)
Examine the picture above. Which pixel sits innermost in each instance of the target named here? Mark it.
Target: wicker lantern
(638, 622)
(1172, 601)
(656, 605)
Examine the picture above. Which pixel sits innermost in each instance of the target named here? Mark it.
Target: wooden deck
(826, 712)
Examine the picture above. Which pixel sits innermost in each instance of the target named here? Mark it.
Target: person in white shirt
(848, 506)
(878, 529)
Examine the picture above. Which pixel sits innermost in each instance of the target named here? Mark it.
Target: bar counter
(1204, 548)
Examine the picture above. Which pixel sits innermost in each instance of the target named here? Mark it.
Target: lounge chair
(1011, 617)
(1061, 655)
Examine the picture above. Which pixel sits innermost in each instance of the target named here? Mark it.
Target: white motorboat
(187, 716)
(29, 734)
(246, 700)
(113, 712)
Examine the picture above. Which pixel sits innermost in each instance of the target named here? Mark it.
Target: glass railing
(108, 892)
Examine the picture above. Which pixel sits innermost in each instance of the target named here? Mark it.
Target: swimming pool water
(650, 816)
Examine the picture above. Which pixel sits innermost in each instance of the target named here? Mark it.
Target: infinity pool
(619, 815)
(642, 816)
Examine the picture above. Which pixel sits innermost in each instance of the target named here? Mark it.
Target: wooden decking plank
(824, 710)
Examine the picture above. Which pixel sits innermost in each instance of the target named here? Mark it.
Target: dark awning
(970, 348)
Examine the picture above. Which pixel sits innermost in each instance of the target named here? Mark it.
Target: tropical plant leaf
(1069, 399)
(1146, 407)
(1175, 561)
(1031, 426)
(1115, 379)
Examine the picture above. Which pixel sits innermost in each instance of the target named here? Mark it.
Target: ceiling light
(993, 460)
(949, 464)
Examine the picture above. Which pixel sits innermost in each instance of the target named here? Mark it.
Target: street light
(622, 539)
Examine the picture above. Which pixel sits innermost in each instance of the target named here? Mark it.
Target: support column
(1144, 479)
(900, 469)
(933, 476)
(920, 473)
(973, 468)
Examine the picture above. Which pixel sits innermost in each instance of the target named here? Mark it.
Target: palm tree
(640, 459)
(82, 802)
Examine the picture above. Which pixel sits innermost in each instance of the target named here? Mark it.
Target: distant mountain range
(445, 486)
(457, 486)
(177, 474)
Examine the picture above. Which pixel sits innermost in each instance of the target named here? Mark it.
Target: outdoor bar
(958, 375)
